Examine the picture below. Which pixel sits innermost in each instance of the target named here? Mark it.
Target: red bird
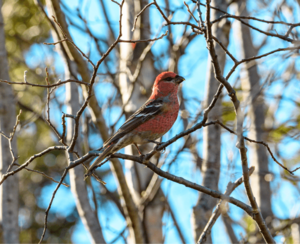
(150, 122)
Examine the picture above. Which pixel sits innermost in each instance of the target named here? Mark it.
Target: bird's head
(167, 82)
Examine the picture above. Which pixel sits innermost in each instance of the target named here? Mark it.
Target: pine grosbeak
(150, 122)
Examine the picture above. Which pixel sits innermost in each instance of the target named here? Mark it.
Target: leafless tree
(140, 198)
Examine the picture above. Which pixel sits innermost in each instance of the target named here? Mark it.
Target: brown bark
(253, 96)
(257, 216)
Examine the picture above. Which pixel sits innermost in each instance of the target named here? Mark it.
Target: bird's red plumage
(164, 75)
(162, 123)
(151, 121)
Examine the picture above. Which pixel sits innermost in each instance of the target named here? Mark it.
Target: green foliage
(25, 25)
(280, 132)
(228, 114)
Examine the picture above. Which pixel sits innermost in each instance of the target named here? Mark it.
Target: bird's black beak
(179, 79)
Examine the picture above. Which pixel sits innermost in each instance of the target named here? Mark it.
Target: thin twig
(253, 141)
(63, 122)
(218, 74)
(168, 22)
(147, 40)
(253, 18)
(58, 83)
(225, 50)
(188, 8)
(138, 15)
(49, 149)
(70, 41)
(176, 222)
(43, 174)
(49, 206)
(54, 43)
(14, 158)
(257, 216)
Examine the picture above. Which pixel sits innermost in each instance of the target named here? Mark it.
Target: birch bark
(9, 190)
(78, 185)
(138, 177)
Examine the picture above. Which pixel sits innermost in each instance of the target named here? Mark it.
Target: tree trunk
(78, 185)
(211, 134)
(9, 190)
(139, 177)
(253, 97)
(130, 210)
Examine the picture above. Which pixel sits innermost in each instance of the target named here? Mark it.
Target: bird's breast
(162, 123)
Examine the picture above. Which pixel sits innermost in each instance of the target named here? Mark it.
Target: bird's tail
(105, 151)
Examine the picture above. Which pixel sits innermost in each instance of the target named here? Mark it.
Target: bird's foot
(140, 153)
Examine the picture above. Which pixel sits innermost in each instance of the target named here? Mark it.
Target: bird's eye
(168, 79)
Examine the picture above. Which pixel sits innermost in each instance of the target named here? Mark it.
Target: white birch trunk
(78, 185)
(211, 134)
(9, 190)
(138, 176)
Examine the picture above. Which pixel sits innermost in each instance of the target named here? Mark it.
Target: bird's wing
(150, 109)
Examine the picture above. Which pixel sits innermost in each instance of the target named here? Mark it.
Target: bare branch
(168, 22)
(227, 15)
(218, 210)
(188, 8)
(138, 15)
(69, 40)
(225, 50)
(147, 40)
(218, 74)
(49, 206)
(43, 174)
(58, 83)
(254, 141)
(3, 134)
(10, 143)
(49, 149)
(54, 43)
(183, 181)
(291, 28)
(265, 232)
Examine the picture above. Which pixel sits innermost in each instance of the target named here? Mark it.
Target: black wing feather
(143, 114)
